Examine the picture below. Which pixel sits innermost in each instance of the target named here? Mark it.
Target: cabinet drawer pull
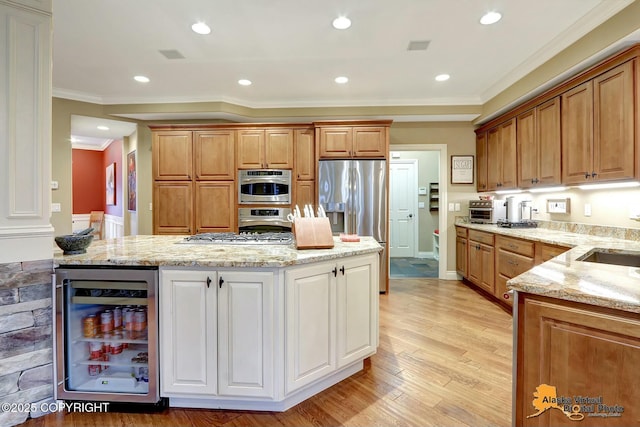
(342, 270)
(220, 282)
(208, 281)
(335, 272)
(586, 175)
(593, 174)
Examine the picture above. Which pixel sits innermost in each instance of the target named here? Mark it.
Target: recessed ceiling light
(201, 28)
(341, 80)
(442, 77)
(244, 82)
(141, 79)
(341, 23)
(490, 18)
(101, 127)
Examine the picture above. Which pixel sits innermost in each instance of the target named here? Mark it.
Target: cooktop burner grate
(241, 238)
(520, 224)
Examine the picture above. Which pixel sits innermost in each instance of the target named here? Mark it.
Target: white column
(25, 130)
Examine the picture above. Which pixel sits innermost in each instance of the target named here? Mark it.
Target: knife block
(313, 233)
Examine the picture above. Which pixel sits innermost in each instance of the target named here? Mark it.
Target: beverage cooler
(106, 334)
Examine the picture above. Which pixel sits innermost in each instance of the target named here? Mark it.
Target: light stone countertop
(166, 251)
(564, 277)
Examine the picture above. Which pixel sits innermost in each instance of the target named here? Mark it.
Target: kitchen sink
(601, 256)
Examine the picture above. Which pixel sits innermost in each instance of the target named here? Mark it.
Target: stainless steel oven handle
(280, 222)
(481, 209)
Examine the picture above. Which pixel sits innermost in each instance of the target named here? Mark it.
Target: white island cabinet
(216, 333)
(221, 329)
(257, 327)
(331, 317)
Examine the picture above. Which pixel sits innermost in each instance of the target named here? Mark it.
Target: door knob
(410, 215)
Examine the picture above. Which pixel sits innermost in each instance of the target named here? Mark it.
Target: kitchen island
(576, 330)
(260, 327)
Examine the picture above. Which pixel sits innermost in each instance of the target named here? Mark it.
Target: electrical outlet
(55, 207)
(587, 209)
(457, 207)
(420, 205)
(150, 206)
(54, 185)
(451, 207)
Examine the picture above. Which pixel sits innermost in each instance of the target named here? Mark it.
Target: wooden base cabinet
(581, 350)
(216, 333)
(173, 207)
(481, 260)
(461, 251)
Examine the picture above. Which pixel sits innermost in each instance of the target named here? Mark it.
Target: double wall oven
(264, 196)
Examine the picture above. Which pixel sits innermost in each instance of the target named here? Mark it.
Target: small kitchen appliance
(486, 211)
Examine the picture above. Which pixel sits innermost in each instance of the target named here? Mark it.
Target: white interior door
(403, 195)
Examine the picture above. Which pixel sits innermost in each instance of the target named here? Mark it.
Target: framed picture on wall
(111, 184)
(462, 169)
(131, 180)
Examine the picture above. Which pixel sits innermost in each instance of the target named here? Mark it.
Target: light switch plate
(55, 207)
(420, 205)
(54, 185)
(587, 209)
(422, 191)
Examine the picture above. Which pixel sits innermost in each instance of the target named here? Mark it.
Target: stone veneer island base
(259, 327)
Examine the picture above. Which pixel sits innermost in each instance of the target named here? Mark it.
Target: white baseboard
(425, 255)
(452, 275)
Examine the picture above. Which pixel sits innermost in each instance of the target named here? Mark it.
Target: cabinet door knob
(208, 281)
(220, 282)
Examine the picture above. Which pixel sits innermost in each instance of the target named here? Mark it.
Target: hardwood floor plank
(444, 360)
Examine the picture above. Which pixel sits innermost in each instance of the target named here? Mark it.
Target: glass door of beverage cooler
(106, 334)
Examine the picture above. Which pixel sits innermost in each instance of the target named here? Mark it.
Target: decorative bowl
(73, 244)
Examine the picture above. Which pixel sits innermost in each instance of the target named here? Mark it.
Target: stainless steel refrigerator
(354, 195)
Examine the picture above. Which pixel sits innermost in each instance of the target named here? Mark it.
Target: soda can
(94, 370)
(143, 374)
(139, 320)
(95, 350)
(106, 345)
(127, 315)
(116, 344)
(117, 318)
(90, 326)
(106, 321)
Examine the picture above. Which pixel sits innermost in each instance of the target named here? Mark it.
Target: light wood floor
(444, 360)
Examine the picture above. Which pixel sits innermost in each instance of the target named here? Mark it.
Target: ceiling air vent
(418, 44)
(171, 54)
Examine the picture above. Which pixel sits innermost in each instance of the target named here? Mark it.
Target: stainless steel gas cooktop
(241, 238)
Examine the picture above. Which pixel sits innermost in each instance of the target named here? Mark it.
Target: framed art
(111, 184)
(131, 180)
(462, 169)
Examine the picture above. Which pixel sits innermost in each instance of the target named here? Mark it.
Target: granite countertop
(166, 251)
(565, 277)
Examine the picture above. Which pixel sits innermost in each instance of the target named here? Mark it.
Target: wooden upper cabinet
(549, 143)
(598, 128)
(501, 157)
(336, 142)
(215, 206)
(353, 141)
(279, 148)
(614, 144)
(260, 149)
(481, 160)
(369, 141)
(214, 158)
(173, 207)
(250, 146)
(172, 155)
(305, 154)
(538, 145)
